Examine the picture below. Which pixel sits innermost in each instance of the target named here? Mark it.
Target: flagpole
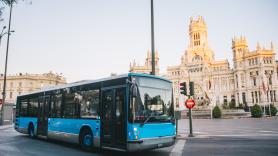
(270, 92)
(152, 38)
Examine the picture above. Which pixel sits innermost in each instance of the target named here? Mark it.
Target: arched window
(197, 58)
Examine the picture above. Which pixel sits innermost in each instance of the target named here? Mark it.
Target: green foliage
(8, 1)
(232, 104)
(240, 106)
(273, 110)
(3, 4)
(256, 111)
(216, 112)
(246, 108)
(225, 105)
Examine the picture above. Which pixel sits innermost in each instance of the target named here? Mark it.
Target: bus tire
(31, 130)
(86, 139)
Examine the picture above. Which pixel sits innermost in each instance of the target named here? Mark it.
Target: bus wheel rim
(31, 132)
(87, 140)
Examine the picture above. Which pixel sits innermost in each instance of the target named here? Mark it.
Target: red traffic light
(183, 89)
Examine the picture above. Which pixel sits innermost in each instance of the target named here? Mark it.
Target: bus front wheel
(86, 139)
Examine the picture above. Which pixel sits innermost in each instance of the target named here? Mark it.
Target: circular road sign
(189, 103)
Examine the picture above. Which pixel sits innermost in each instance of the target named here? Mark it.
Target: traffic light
(191, 88)
(183, 89)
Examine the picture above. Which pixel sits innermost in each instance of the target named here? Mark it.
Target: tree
(216, 112)
(225, 105)
(232, 104)
(3, 4)
(8, 1)
(240, 106)
(273, 110)
(256, 111)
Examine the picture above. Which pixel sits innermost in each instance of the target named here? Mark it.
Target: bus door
(43, 115)
(113, 117)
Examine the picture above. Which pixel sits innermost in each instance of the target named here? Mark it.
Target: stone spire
(271, 46)
(258, 46)
(198, 32)
(156, 54)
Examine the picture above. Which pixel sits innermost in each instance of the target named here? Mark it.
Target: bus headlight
(136, 133)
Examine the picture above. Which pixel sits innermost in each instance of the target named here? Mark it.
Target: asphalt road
(212, 137)
(231, 137)
(13, 143)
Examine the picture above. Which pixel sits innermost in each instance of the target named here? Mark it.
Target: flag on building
(264, 88)
(206, 95)
(209, 84)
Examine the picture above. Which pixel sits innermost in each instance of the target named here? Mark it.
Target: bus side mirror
(134, 89)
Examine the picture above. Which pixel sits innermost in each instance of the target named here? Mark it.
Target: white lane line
(177, 150)
(268, 131)
(235, 135)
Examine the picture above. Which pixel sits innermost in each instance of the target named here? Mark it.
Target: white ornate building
(147, 68)
(24, 83)
(252, 80)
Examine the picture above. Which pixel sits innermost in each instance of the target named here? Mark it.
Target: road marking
(267, 131)
(235, 135)
(177, 150)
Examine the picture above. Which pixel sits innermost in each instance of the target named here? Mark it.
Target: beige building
(251, 80)
(24, 83)
(147, 67)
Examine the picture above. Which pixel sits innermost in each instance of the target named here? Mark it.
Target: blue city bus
(130, 112)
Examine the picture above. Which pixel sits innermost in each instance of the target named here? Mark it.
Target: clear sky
(90, 39)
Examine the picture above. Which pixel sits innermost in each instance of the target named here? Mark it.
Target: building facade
(147, 67)
(25, 83)
(252, 80)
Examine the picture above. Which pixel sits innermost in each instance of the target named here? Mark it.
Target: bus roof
(83, 82)
(148, 75)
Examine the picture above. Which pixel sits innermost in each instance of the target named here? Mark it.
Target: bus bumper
(150, 143)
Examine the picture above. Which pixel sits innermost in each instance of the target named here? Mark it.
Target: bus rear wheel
(86, 139)
(31, 131)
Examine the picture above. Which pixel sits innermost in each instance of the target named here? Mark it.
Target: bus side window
(71, 104)
(33, 107)
(56, 104)
(17, 108)
(24, 107)
(90, 104)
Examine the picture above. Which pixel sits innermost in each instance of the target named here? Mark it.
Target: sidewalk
(6, 126)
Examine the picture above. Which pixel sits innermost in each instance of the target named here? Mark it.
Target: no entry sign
(189, 103)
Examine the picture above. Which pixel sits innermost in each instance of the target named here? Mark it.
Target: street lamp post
(6, 62)
(2, 34)
(152, 36)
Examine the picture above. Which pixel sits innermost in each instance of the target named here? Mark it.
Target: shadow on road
(54, 145)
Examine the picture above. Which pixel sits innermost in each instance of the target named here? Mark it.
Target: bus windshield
(154, 101)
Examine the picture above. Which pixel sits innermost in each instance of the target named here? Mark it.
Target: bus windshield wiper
(145, 121)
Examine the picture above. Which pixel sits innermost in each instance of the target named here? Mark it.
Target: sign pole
(190, 123)
(190, 103)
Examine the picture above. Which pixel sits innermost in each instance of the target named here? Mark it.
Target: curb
(6, 127)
